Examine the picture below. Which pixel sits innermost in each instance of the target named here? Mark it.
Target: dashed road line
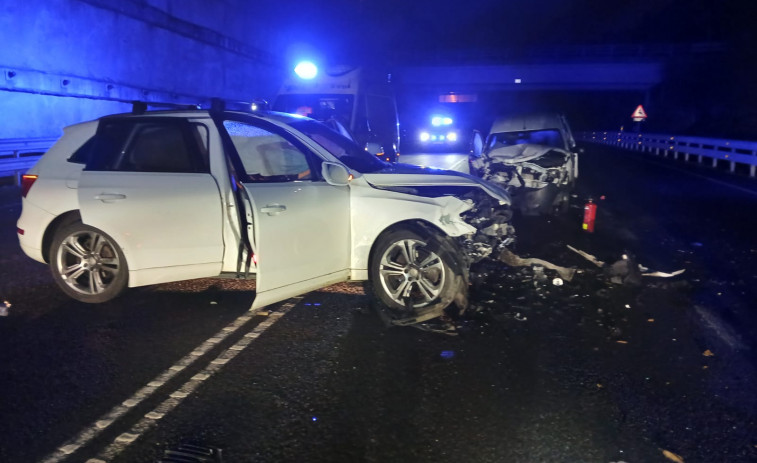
(102, 423)
(151, 419)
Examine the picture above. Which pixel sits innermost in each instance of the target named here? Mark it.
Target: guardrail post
(733, 166)
(752, 170)
(700, 158)
(714, 162)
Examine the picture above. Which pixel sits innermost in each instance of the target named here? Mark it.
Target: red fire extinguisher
(590, 214)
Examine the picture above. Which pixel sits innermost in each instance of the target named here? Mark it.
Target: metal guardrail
(715, 149)
(17, 155)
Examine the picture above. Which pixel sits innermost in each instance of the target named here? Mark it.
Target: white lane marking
(150, 419)
(118, 411)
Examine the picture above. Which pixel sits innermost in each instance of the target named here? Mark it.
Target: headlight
(452, 136)
(424, 136)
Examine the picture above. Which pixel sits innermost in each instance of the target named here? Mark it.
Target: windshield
(319, 107)
(546, 137)
(343, 148)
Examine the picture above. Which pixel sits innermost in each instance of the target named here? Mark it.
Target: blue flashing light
(436, 121)
(306, 70)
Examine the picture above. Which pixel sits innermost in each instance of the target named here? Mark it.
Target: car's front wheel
(415, 277)
(87, 264)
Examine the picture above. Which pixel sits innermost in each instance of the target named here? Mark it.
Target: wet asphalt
(588, 371)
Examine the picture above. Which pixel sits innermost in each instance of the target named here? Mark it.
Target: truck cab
(356, 102)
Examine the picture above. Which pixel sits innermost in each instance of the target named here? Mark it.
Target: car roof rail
(140, 107)
(221, 104)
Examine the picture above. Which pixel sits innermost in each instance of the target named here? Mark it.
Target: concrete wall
(64, 61)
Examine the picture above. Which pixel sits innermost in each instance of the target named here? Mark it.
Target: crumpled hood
(516, 154)
(406, 175)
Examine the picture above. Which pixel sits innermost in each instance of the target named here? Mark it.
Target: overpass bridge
(515, 77)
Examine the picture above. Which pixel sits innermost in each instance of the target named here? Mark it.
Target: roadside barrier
(17, 155)
(715, 150)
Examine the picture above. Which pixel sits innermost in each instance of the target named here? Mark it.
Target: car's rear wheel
(87, 264)
(415, 277)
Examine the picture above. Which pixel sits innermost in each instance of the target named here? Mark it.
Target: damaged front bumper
(538, 179)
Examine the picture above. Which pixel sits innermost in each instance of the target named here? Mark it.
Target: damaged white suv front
(151, 197)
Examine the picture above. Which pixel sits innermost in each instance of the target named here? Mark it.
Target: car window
(266, 156)
(343, 148)
(382, 117)
(149, 146)
(82, 155)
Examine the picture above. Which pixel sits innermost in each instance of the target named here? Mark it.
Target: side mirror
(335, 174)
(478, 144)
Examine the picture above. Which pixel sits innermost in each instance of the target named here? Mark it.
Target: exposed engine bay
(538, 177)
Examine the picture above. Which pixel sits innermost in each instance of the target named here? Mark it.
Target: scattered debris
(437, 325)
(519, 317)
(213, 303)
(663, 274)
(587, 256)
(708, 353)
(187, 453)
(264, 313)
(557, 282)
(4, 312)
(650, 320)
(513, 260)
(620, 341)
(672, 456)
(625, 271)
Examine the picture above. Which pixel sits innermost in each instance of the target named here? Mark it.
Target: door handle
(273, 209)
(109, 196)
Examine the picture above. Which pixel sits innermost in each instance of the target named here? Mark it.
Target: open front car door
(300, 230)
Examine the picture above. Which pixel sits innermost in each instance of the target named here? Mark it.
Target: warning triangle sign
(639, 114)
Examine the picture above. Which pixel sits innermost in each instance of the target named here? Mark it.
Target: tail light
(26, 183)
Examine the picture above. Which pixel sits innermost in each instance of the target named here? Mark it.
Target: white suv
(151, 197)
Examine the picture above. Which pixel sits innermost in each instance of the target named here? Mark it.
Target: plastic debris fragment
(4, 308)
(672, 456)
(513, 260)
(708, 353)
(587, 256)
(557, 282)
(663, 274)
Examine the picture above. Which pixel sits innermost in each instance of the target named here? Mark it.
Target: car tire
(87, 264)
(415, 276)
